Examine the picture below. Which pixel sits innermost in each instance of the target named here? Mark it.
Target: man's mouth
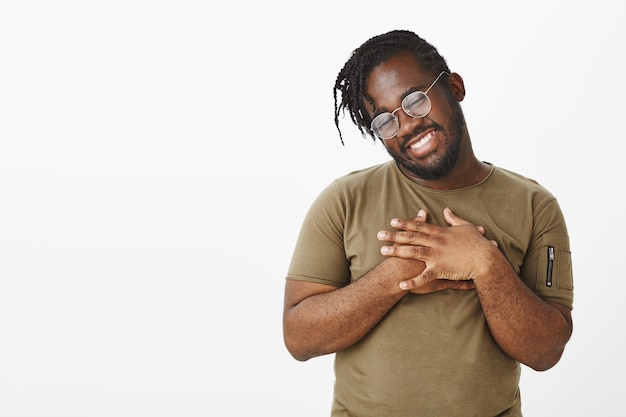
(421, 142)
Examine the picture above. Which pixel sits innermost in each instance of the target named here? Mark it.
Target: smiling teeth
(422, 141)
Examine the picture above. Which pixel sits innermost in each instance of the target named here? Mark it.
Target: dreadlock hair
(352, 77)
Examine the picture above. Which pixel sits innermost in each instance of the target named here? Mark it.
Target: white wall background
(157, 158)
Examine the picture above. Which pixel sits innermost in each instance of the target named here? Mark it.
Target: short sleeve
(321, 238)
(547, 267)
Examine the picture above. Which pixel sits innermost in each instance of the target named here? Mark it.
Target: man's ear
(457, 86)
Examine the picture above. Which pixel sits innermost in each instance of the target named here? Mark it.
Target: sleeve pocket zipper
(550, 266)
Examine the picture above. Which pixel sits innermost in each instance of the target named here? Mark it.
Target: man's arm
(319, 319)
(527, 328)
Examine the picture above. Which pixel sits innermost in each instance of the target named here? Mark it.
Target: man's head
(350, 83)
(403, 83)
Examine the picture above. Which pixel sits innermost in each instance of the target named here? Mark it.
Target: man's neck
(463, 175)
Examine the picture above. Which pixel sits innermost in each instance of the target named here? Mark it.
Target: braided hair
(353, 76)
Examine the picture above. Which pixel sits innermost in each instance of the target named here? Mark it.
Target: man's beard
(443, 164)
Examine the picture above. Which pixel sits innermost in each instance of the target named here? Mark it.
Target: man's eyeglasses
(417, 105)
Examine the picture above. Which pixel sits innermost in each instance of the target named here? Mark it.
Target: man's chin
(430, 172)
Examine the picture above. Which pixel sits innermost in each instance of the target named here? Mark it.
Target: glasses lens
(416, 104)
(385, 125)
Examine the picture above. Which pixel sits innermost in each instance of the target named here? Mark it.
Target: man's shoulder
(361, 183)
(367, 174)
(520, 187)
(513, 178)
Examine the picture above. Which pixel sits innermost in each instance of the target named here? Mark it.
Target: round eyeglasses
(417, 105)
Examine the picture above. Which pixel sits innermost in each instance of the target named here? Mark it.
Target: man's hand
(457, 253)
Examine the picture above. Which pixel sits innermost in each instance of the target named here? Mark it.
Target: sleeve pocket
(554, 277)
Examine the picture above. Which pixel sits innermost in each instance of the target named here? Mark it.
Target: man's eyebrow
(411, 90)
(380, 110)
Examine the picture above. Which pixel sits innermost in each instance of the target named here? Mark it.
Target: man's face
(427, 147)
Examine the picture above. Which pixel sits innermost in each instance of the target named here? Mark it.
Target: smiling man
(433, 276)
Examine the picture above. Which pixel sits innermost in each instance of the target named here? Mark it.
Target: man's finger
(452, 218)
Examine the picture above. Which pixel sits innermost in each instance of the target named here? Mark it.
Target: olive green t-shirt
(432, 354)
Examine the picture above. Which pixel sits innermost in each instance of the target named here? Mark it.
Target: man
(428, 314)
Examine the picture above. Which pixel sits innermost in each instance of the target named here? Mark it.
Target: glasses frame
(408, 113)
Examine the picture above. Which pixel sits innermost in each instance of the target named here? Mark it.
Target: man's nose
(407, 123)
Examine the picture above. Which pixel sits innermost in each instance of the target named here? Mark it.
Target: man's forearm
(526, 327)
(329, 321)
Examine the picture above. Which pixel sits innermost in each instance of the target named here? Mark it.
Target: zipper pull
(550, 266)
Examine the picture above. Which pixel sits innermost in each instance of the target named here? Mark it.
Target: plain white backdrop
(158, 157)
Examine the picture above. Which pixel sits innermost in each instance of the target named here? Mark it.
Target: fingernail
(421, 213)
(404, 285)
(384, 250)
